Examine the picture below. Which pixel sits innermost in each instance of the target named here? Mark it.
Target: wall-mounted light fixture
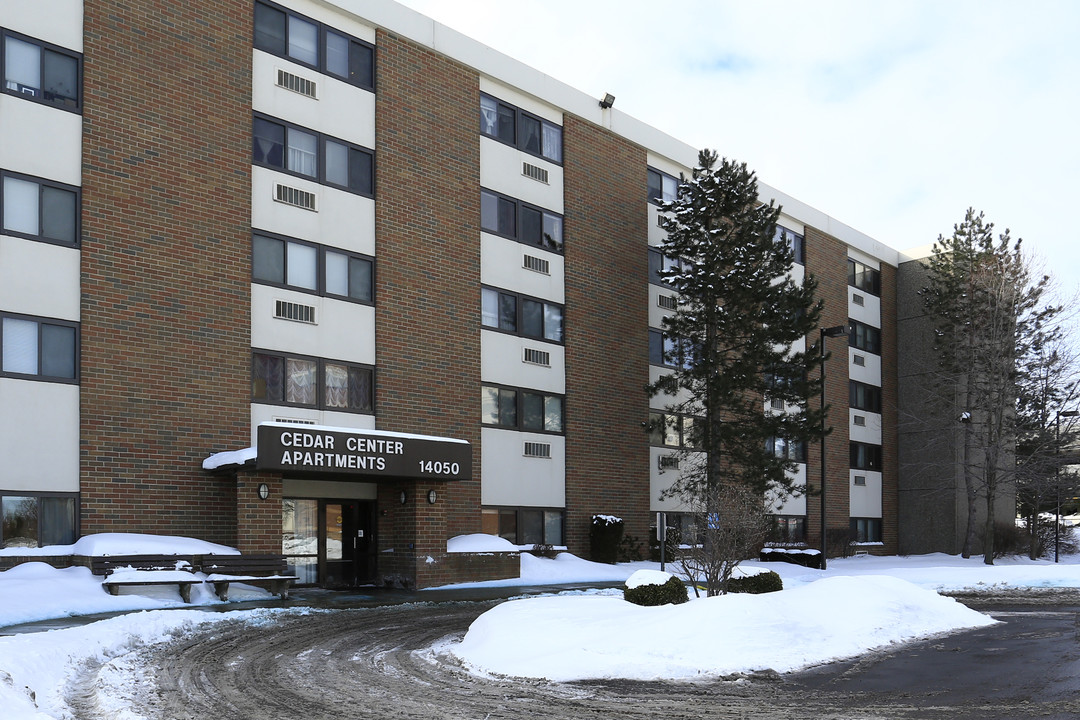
(263, 490)
(607, 101)
(403, 497)
(431, 496)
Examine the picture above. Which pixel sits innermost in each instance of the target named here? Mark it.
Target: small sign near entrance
(312, 449)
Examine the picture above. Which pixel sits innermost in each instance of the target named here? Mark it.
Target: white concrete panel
(275, 413)
(40, 140)
(865, 259)
(661, 480)
(656, 234)
(343, 220)
(662, 401)
(664, 164)
(39, 436)
(38, 278)
(56, 21)
(341, 110)
(868, 433)
(788, 504)
(869, 372)
(869, 312)
(327, 13)
(345, 330)
(865, 499)
(510, 478)
(501, 363)
(501, 171)
(502, 265)
(792, 224)
(657, 313)
(514, 96)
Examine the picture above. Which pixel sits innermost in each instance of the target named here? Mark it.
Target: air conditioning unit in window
(297, 84)
(294, 196)
(536, 264)
(535, 172)
(667, 462)
(668, 302)
(537, 450)
(537, 357)
(285, 310)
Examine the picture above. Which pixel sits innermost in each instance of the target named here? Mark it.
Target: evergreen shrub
(765, 582)
(673, 592)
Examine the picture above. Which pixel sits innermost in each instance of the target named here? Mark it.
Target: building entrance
(329, 542)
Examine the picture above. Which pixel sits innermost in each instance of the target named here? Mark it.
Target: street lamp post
(1057, 478)
(835, 331)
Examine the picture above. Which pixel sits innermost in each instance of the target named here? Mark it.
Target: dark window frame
(517, 511)
(320, 139)
(864, 337)
(871, 278)
(658, 197)
(518, 234)
(680, 348)
(43, 183)
(519, 311)
(322, 29)
(656, 264)
(682, 425)
(320, 268)
(866, 530)
(519, 408)
(320, 380)
(795, 240)
(793, 450)
(519, 117)
(865, 456)
(789, 529)
(39, 376)
(45, 47)
(865, 397)
(42, 495)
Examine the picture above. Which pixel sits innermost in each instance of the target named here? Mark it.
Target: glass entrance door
(347, 530)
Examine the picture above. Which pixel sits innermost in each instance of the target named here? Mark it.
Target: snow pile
(647, 577)
(594, 637)
(127, 544)
(479, 543)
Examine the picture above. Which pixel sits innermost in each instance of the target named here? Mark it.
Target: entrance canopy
(316, 449)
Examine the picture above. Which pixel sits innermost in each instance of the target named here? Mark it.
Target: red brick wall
(607, 323)
(890, 416)
(165, 263)
(427, 320)
(258, 521)
(826, 259)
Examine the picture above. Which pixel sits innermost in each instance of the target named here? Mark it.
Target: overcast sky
(892, 116)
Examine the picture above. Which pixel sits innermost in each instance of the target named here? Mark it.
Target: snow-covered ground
(856, 605)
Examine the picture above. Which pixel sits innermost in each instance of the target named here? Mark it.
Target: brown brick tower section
(890, 415)
(607, 325)
(427, 320)
(165, 263)
(826, 259)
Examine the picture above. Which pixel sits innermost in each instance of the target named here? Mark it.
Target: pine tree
(730, 340)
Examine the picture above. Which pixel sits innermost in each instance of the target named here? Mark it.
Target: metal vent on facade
(859, 360)
(860, 479)
(294, 311)
(537, 357)
(295, 197)
(668, 302)
(297, 84)
(859, 420)
(536, 173)
(667, 462)
(537, 450)
(294, 421)
(536, 264)
(777, 404)
(857, 299)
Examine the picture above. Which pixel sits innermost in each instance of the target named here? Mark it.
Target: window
(311, 382)
(521, 315)
(296, 265)
(42, 72)
(864, 337)
(39, 209)
(518, 409)
(524, 526)
(795, 240)
(865, 456)
(660, 263)
(306, 153)
(789, 529)
(287, 34)
(516, 220)
(35, 520)
(674, 430)
(514, 126)
(793, 450)
(36, 348)
(863, 277)
(865, 397)
(670, 352)
(866, 530)
(662, 187)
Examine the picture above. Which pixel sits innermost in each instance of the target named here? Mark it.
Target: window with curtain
(38, 349)
(279, 379)
(282, 32)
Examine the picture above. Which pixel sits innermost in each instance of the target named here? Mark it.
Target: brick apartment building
(418, 276)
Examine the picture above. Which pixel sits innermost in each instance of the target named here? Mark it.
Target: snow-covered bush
(605, 534)
(764, 582)
(648, 587)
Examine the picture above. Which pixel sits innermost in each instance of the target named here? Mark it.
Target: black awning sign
(326, 451)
